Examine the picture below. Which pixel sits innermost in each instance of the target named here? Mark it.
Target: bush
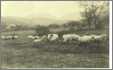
(42, 30)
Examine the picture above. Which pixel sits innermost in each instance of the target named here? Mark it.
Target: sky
(44, 12)
(64, 10)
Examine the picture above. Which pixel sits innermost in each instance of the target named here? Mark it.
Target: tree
(92, 14)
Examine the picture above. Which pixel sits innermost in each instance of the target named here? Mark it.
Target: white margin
(59, 68)
(110, 34)
(110, 46)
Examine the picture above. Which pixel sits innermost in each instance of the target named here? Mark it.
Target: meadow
(23, 53)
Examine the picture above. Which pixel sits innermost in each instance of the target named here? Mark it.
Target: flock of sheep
(55, 37)
(67, 37)
(8, 37)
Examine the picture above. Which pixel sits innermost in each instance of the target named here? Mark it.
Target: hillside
(31, 21)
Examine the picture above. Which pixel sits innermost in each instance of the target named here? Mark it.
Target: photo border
(110, 34)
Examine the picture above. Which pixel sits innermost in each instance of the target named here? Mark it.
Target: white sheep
(98, 37)
(43, 37)
(37, 40)
(67, 37)
(3, 37)
(9, 37)
(85, 38)
(30, 37)
(36, 37)
(15, 37)
(6, 37)
(52, 37)
(33, 37)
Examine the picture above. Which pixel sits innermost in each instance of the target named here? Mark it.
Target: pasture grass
(37, 58)
(20, 53)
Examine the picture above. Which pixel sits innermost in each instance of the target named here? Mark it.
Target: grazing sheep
(36, 37)
(85, 38)
(33, 37)
(44, 38)
(30, 37)
(6, 37)
(37, 40)
(9, 37)
(52, 37)
(3, 37)
(15, 37)
(71, 37)
(98, 37)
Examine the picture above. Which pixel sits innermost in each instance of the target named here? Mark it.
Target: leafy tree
(93, 13)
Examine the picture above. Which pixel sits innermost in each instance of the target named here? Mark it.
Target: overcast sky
(65, 10)
(46, 12)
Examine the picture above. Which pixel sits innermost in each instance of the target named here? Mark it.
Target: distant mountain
(30, 21)
(13, 20)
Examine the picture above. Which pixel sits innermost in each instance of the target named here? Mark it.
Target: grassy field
(20, 53)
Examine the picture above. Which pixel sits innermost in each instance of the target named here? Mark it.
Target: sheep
(30, 37)
(6, 37)
(44, 38)
(36, 37)
(52, 37)
(15, 36)
(33, 37)
(98, 37)
(12, 37)
(3, 37)
(37, 40)
(67, 37)
(85, 38)
(9, 37)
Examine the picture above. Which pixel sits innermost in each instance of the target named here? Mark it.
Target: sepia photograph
(55, 34)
